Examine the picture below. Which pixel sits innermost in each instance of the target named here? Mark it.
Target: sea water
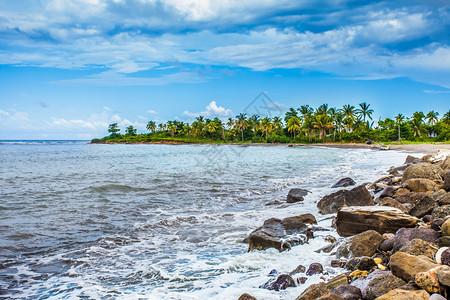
(94, 221)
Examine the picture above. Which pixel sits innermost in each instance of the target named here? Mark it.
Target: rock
(399, 294)
(301, 280)
(420, 247)
(363, 282)
(299, 269)
(401, 191)
(436, 224)
(427, 218)
(443, 256)
(383, 284)
(347, 181)
(338, 263)
(411, 160)
(363, 263)
(281, 283)
(357, 219)
(423, 170)
(423, 207)
(362, 244)
(444, 199)
(314, 268)
(420, 185)
(445, 165)
(246, 296)
(445, 228)
(446, 179)
(348, 292)
(428, 280)
(407, 266)
(410, 197)
(387, 244)
(443, 241)
(358, 196)
(391, 202)
(331, 296)
(437, 297)
(443, 276)
(337, 281)
(441, 211)
(438, 194)
(314, 291)
(387, 192)
(275, 202)
(282, 234)
(296, 195)
(404, 235)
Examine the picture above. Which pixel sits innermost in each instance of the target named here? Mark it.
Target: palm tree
(416, 126)
(399, 118)
(277, 123)
(322, 109)
(289, 114)
(338, 121)
(151, 126)
(293, 125)
(172, 126)
(266, 125)
(432, 117)
(242, 123)
(323, 122)
(230, 123)
(364, 112)
(446, 118)
(254, 121)
(349, 115)
(211, 127)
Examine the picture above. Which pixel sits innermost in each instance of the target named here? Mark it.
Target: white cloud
(106, 108)
(4, 113)
(211, 110)
(151, 111)
(436, 92)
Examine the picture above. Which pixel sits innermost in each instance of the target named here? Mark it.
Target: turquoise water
(158, 221)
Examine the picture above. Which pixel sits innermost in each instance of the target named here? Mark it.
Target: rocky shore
(394, 236)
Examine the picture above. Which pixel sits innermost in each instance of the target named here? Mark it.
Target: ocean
(95, 221)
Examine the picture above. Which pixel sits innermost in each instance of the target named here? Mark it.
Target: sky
(69, 68)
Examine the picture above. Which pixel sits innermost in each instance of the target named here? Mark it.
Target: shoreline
(425, 148)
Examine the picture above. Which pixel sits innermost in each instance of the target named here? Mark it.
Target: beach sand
(416, 148)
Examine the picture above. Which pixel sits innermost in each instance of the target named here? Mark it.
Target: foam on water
(159, 221)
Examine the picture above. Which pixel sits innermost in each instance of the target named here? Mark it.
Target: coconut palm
(151, 126)
(289, 114)
(364, 111)
(277, 123)
(172, 126)
(432, 117)
(349, 115)
(446, 118)
(323, 122)
(322, 109)
(266, 125)
(293, 125)
(211, 127)
(242, 123)
(255, 123)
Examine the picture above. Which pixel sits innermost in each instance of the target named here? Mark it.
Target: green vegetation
(302, 125)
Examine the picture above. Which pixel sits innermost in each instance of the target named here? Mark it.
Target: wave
(116, 188)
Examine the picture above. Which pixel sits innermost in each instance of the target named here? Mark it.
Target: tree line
(301, 125)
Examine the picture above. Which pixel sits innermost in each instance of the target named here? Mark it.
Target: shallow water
(159, 221)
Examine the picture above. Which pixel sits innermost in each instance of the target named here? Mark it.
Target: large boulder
(296, 195)
(362, 244)
(423, 207)
(444, 199)
(391, 202)
(382, 285)
(407, 266)
(348, 292)
(282, 234)
(445, 165)
(347, 181)
(411, 160)
(399, 294)
(281, 283)
(421, 185)
(410, 197)
(357, 219)
(420, 247)
(314, 291)
(363, 282)
(423, 170)
(358, 196)
(404, 235)
(429, 280)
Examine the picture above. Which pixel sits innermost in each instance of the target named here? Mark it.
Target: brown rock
(445, 165)
(348, 292)
(446, 179)
(423, 170)
(410, 197)
(358, 196)
(382, 285)
(420, 185)
(441, 211)
(445, 228)
(444, 199)
(296, 195)
(407, 266)
(362, 244)
(246, 296)
(411, 160)
(401, 191)
(331, 296)
(423, 207)
(314, 292)
(420, 247)
(443, 276)
(337, 281)
(429, 281)
(399, 294)
(391, 202)
(357, 219)
(404, 235)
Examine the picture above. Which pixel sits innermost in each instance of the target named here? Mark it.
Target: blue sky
(68, 68)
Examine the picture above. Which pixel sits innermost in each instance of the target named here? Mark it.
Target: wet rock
(411, 160)
(338, 263)
(301, 280)
(444, 199)
(441, 211)
(314, 268)
(446, 179)
(363, 282)
(420, 247)
(399, 294)
(246, 296)
(354, 220)
(331, 296)
(363, 263)
(362, 244)
(358, 196)
(275, 202)
(388, 201)
(348, 292)
(404, 235)
(299, 269)
(314, 292)
(382, 285)
(420, 185)
(281, 283)
(445, 228)
(429, 281)
(397, 170)
(282, 234)
(423, 170)
(337, 281)
(423, 207)
(407, 266)
(347, 181)
(443, 276)
(387, 192)
(296, 195)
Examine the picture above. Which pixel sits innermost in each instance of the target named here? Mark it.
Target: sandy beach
(416, 148)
